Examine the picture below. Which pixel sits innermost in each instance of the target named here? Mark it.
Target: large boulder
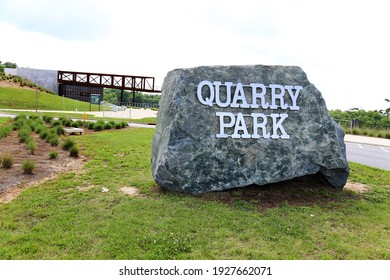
(224, 127)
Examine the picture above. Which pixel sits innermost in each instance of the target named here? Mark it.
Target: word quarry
(256, 96)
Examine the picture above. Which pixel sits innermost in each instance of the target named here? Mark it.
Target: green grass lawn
(4, 121)
(71, 218)
(12, 98)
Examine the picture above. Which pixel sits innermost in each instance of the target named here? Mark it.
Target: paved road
(376, 156)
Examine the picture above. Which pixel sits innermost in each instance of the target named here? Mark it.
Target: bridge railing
(124, 82)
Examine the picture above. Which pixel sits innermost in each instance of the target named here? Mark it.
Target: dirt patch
(131, 191)
(13, 180)
(306, 191)
(357, 187)
(298, 192)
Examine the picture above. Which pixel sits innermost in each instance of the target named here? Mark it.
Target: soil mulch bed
(13, 180)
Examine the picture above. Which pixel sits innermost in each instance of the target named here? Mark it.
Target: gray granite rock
(202, 144)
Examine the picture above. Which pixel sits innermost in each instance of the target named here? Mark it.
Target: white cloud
(68, 20)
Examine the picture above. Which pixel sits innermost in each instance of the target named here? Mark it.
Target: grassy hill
(17, 98)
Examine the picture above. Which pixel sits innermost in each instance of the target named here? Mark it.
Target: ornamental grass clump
(74, 151)
(28, 166)
(31, 145)
(52, 138)
(5, 131)
(6, 161)
(53, 154)
(43, 133)
(68, 144)
(24, 134)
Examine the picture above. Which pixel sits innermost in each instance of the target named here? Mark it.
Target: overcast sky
(343, 46)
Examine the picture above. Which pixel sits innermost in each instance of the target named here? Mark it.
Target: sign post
(95, 99)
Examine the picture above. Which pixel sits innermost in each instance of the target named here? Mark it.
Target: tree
(10, 65)
(7, 65)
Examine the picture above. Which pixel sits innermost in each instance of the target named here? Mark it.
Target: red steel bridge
(122, 82)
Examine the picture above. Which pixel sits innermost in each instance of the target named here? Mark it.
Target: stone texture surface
(188, 157)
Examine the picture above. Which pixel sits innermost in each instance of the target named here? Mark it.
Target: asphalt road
(375, 156)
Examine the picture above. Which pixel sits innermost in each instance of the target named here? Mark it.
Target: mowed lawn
(11, 98)
(71, 218)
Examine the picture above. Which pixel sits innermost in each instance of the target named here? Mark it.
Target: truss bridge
(80, 85)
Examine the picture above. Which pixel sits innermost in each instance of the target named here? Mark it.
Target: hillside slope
(26, 98)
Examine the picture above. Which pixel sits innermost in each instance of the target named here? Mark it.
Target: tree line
(7, 65)
(377, 119)
(113, 96)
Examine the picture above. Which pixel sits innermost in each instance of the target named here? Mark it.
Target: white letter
(223, 125)
(239, 94)
(207, 101)
(278, 125)
(277, 96)
(257, 125)
(293, 97)
(260, 95)
(228, 94)
(240, 125)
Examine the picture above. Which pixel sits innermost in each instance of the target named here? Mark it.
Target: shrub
(53, 154)
(98, 126)
(17, 124)
(124, 124)
(74, 151)
(38, 122)
(59, 130)
(80, 123)
(28, 166)
(380, 134)
(33, 117)
(24, 134)
(31, 145)
(56, 123)
(118, 126)
(68, 144)
(387, 135)
(107, 125)
(52, 139)
(5, 131)
(47, 119)
(74, 124)
(39, 128)
(355, 131)
(91, 125)
(67, 123)
(43, 133)
(20, 117)
(100, 122)
(112, 123)
(31, 124)
(6, 161)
